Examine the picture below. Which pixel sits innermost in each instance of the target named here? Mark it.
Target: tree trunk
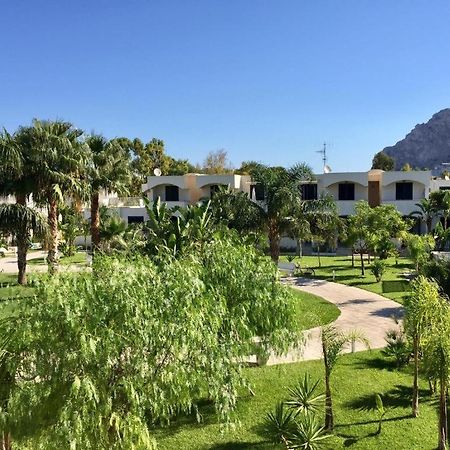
(353, 258)
(95, 221)
(429, 225)
(361, 253)
(22, 246)
(274, 242)
(329, 420)
(415, 393)
(442, 443)
(318, 256)
(5, 442)
(52, 257)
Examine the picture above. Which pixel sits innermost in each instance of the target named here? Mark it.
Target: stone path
(361, 310)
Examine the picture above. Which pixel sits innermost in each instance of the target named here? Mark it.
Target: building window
(135, 219)
(257, 192)
(172, 194)
(346, 191)
(309, 191)
(403, 191)
(444, 188)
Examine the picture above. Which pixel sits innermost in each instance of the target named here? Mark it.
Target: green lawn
(393, 285)
(9, 289)
(314, 311)
(79, 258)
(355, 380)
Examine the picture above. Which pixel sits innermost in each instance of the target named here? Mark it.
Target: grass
(393, 285)
(355, 381)
(79, 258)
(9, 289)
(313, 311)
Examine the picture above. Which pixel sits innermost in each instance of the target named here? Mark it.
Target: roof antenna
(323, 152)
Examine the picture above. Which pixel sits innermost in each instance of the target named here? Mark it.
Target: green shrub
(378, 268)
(397, 347)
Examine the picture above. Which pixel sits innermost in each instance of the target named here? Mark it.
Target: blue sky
(265, 80)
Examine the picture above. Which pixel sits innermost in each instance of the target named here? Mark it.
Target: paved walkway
(361, 310)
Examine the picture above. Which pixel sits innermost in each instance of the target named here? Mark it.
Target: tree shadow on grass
(236, 445)
(376, 363)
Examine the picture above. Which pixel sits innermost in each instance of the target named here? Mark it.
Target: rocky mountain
(426, 146)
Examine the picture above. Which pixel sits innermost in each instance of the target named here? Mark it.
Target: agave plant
(304, 397)
(308, 434)
(279, 423)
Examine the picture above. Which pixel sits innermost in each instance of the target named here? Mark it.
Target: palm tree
(57, 160)
(333, 345)
(110, 171)
(20, 221)
(282, 199)
(426, 212)
(16, 180)
(441, 201)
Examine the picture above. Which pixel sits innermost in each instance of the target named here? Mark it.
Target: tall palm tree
(426, 212)
(20, 221)
(57, 160)
(16, 180)
(110, 171)
(282, 199)
(441, 201)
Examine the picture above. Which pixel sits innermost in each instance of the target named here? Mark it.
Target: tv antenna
(323, 152)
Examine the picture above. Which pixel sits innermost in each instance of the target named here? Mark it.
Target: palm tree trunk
(95, 221)
(22, 246)
(442, 443)
(429, 224)
(329, 418)
(5, 442)
(52, 257)
(415, 394)
(274, 241)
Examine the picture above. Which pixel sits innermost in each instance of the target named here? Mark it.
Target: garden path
(361, 310)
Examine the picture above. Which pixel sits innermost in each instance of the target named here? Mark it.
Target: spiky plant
(304, 397)
(279, 423)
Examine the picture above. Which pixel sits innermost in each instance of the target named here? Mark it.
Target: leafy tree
(441, 236)
(217, 162)
(407, 168)
(109, 171)
(119, 359)
(436, 353)
(112, 233)
(378, 268)
(426, 212)
(247, 167)
(56, 161)
(420, 311)
(20, 221)
(282, 205)
(71, 226)
(419, 247)
(370, 228)
(236, 211)
(383, 161)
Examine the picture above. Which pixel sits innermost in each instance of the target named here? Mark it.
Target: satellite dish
(326, 168)
(157, 172)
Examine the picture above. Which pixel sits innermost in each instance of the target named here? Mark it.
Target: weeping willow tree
(21, 221)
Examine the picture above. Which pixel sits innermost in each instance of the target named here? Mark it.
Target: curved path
(361, 310)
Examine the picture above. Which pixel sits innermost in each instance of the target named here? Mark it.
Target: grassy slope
(355, 380)
(393, 286)
(313, 311)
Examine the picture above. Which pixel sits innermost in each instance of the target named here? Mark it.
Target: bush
(397, 347)
(378, 269)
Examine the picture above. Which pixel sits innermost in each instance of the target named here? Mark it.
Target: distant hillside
(426, 146)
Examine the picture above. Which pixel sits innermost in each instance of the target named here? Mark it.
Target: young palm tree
(56, 162)
(426, 212)
(282, 199)
(109, 171)
(20, 221)
(420, 310)
(333, 345)
(441, 202)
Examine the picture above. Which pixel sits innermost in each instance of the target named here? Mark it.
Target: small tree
(419, 248)
(420, 311)
(383, 161)
(333, 345)
(217, 162)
